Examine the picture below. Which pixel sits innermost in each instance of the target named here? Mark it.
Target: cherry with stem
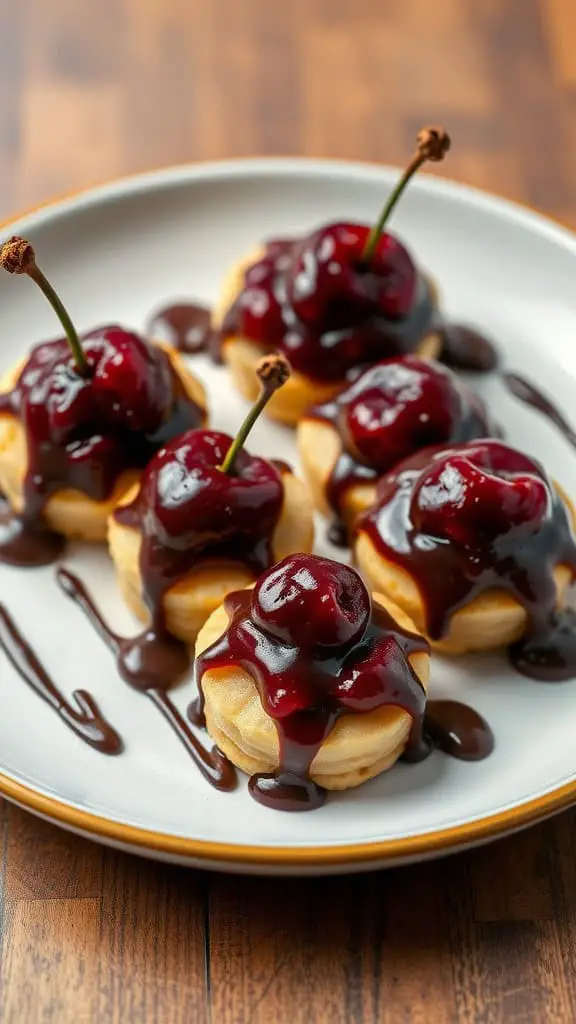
(273, 371)
(431, 144)
(17, 256)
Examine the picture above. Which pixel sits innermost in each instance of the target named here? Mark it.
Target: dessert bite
(308, 684)
(79, 419)
(476, 544)
(339, 299)
(206, 518)
(391, 411)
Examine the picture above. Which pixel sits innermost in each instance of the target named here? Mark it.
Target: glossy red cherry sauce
(474, 517)
(316, 302)
(81, 432)
(395, 408)
(187, 508)
(317, 648)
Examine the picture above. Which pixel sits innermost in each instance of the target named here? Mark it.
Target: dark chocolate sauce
(187, 509)
(27, 545)
(281, 634)
(464, 348)
(532, 396)
(153, 663)
(354, 315)
(477, 517)
(457, 730)
(82, 715)
(184, 325)
(337, 533)
(82, 433)
(391, 411)
(549, 653)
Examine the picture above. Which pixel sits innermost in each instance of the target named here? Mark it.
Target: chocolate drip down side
(81, 714)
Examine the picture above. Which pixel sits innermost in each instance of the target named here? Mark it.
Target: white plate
(114, 253)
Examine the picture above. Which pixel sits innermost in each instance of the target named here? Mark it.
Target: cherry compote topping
(395, 408)
(317, 647)
(477, 517)
(82, 432)
(328, 311)
(187, 509)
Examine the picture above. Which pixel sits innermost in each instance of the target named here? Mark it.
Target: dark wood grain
(92, 90)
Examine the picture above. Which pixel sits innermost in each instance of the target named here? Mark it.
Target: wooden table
(90, 90)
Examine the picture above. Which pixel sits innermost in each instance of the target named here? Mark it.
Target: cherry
(204, 487)
(131, 378)
(463, 501)
(329, 284)
(309, 602)
(346, 272)
(190, 502)
(397, 407)
(113, 377)
(129, 384)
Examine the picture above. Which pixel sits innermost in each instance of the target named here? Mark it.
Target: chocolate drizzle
(322, 685)
(508, 533)
(536, 399)
(82, 715)
(153, 664)
(391, 411)
(80, 437)
(184, 325)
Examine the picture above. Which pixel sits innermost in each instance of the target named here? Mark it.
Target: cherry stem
(241, 436)
(372, 241)
(82, 364)
(273, 371)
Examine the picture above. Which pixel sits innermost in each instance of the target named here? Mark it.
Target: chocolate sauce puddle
(83, 716)
(184, 325)
(26, 545)
(536, 399)
(153, 663)
(455, 729)
(464, 348)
